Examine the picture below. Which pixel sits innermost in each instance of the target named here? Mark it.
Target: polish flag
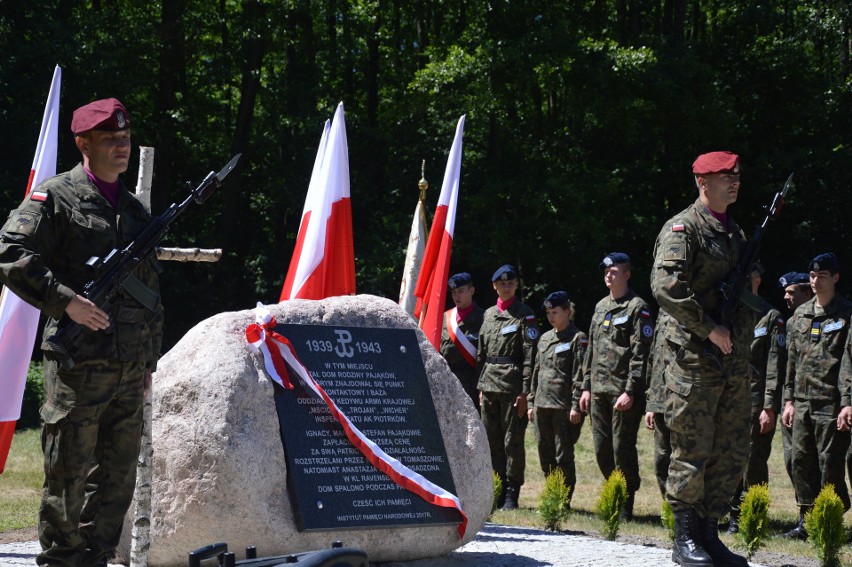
(19, 319)
(413, 259)
(323, 263)
(431, 290)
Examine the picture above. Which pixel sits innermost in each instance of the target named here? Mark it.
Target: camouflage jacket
(556, 379)
(470, 326)
(506, 352)
(45, 244)
(816, 341)
(619, 341)
(692, 255)
(658, 359)
(768, 361)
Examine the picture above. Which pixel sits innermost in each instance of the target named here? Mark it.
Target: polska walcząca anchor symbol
(343, 349)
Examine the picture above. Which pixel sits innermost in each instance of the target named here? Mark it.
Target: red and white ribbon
(463, 344)
(278, 353)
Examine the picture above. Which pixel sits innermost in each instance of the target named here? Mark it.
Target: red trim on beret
(105, 114)
(716, 162)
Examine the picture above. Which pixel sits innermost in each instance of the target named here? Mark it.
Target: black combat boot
(626, 513)
(688, 551)
(513, 491)
(734, 522)
(721, 555)
(799, 531)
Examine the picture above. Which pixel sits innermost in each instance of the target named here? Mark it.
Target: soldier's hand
(844, 420)
(767, 421)
(575, 417)
(86, 313)
(721, 337)
(585, 401)
(148, 380)
(787, 416)
(521, 405)
(624, 402)
(649, 420)
(531, 413)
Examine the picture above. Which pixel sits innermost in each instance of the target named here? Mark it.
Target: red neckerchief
(461, 314)
(503, 305)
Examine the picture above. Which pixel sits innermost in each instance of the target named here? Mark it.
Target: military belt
(499, 360)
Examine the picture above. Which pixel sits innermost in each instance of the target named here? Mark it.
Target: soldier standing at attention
(460, 334)
(614, 374)
(817, 389)
(92, 413)
(768, 348)
(655, 403)
(554, 389)
(707, 401)
(507, 341)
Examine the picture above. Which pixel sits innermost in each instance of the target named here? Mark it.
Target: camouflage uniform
(505, 361)
(619, 341)
(464, 371)
(818, 389)
(93, 413)
(707, 404)
(776, 378)
(655, 401)
(554, 390)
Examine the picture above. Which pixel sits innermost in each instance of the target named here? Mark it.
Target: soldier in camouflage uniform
(92, 413)
(768, 349)
(460, 334)
(655, 402)
(817, 389)
(614, 374)
(554, 389)
(505, 360)
(707, 403)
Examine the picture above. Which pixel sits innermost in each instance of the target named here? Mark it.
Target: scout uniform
(707, 400)
(459, 339)
(505, 359)
(818, 386)
(554, 391)
(619, 342)
(92, 413)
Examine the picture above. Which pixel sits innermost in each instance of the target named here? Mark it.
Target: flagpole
(423, 185)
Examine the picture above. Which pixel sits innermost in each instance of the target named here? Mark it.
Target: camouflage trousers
(556, 436)
(819, 451)
(787, 440)
(91, 437)
(662, 451)
(708, 412)
(614, 434)
(505, 431)
(757, 466)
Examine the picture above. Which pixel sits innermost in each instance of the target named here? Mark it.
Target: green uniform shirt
(768, 357)
(816, 341)
(556, 379)
(506, 352)
(619, 341)
(469, 326)
(45, 244)
(658, 359)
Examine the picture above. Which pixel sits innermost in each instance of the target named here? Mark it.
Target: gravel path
(494, 546)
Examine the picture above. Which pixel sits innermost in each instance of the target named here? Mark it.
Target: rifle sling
(137, 289)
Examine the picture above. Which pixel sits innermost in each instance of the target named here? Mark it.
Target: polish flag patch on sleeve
(38, 195)
(678, 227)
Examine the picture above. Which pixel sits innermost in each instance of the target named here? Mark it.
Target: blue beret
(614, 258)
(793, 278)
(458, 280)
(505, 272)
(555, 299)
(827, 261)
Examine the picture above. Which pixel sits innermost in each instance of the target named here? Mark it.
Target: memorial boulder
(222, 473)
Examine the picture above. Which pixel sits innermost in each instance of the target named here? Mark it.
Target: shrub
(612, 499)
(824, 524)
(498, 488)
(33, 398)
(754, 518)
(667, 519)
(553, 500)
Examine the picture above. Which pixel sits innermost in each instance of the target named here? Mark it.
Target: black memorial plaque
(376, 377)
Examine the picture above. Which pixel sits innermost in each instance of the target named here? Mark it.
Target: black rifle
(114, 273)
(732, 290)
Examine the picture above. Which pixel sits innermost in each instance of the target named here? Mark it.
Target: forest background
(583, 119)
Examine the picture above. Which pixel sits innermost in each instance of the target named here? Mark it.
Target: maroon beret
(105, 114)
(716, 162)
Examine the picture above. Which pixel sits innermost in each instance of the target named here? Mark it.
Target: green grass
(20, 483)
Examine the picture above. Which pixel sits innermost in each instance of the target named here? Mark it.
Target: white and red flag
(431, 290)
(413, 259)
(19, 319)
(323, 263)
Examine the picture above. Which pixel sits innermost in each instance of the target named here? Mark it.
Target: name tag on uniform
(509, 329)
(833, 326)
(760, 332)
(562, 347)
(620, 320)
